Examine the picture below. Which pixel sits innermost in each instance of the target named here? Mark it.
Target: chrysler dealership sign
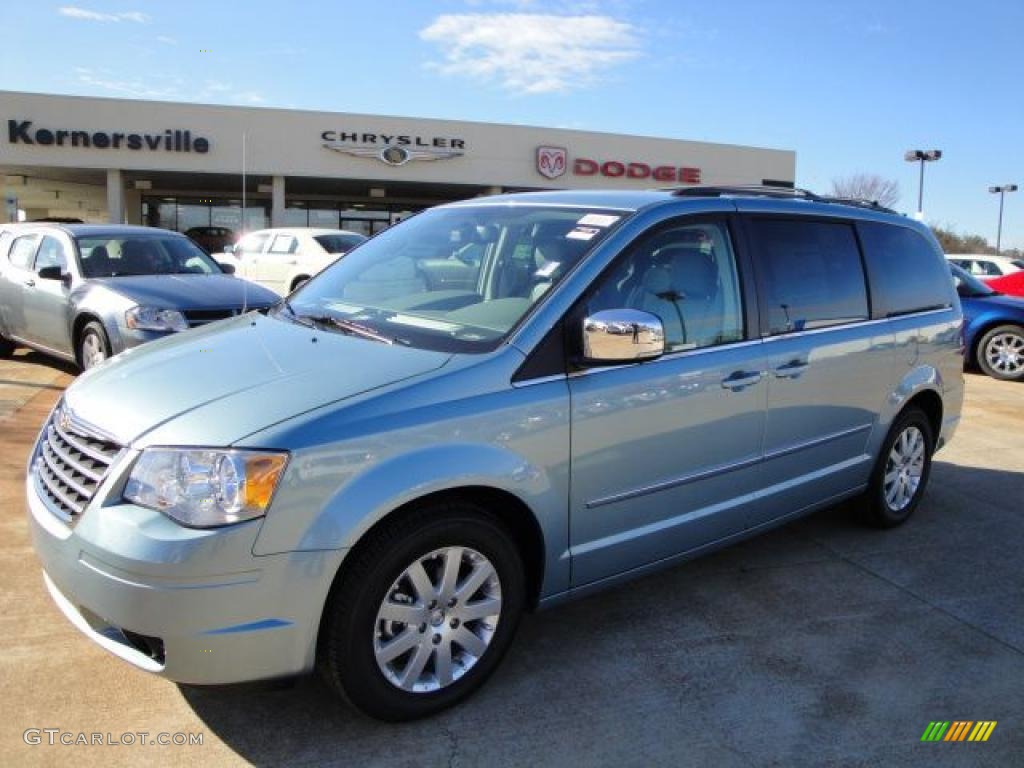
(170, 140)
(393, 149)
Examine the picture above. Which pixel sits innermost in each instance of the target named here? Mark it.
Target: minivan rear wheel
(1001, 353)
(424, 612)
(6, 347)
(902, 470)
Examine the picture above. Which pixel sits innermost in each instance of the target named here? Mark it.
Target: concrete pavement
(822, 643)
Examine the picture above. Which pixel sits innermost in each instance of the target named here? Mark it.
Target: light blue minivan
(495, 405)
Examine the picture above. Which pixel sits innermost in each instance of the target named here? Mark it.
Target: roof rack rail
(761, 190)
(751, 190)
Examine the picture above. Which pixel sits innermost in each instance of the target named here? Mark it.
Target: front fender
(368, 498)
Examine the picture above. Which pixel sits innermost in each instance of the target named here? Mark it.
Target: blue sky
(848, 85)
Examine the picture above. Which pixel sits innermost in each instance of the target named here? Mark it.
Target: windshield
(118, 255)
(339, 243)
(967, 284)
(453, 279)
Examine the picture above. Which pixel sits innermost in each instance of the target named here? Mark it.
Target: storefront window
(295, 215)
(327, 218)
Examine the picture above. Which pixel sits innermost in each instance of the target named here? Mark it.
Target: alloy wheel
(437, 619)
(904, 468)
(93, 352)
(1005, 353)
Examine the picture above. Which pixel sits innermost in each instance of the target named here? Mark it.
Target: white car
(283, 259)
(986, 265)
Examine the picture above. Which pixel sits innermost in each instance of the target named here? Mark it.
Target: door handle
(791, 370)
(30, 282)
(741, 379)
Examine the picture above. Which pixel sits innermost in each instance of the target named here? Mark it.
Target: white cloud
(166, 88)
(531, 53)
(75, 12)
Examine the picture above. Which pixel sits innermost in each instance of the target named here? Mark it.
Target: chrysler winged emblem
(63, 419)
(394, 154)
(551, 161)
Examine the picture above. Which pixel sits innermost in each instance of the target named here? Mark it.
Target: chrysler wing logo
(393, 154)
(64, 420)
(551, 161)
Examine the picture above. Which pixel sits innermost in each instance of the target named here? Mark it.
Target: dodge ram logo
(551, 161)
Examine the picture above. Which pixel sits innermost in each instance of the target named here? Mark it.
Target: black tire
(349, 628)
(1010, 338)
(877, 510)
(7, 347)
(92, 333)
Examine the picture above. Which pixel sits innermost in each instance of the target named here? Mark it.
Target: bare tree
(868, 186)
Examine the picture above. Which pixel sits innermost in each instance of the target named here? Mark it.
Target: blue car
(993, 327)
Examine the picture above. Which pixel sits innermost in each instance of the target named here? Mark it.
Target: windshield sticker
(583, 233)
(598, 220)
(548, 269)
(424, 322)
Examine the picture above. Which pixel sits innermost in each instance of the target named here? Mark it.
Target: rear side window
(907, 273)
(22, 251)
(284, 244)
(252, 243)
(811, 274)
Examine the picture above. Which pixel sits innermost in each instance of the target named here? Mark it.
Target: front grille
(72, 464)
(197, 317)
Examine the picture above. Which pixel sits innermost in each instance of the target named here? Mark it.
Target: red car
(1011, 285)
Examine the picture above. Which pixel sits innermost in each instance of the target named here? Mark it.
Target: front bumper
(195, 606)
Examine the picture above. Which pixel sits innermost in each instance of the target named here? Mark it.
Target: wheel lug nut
(454, 623)
(423, 628)
(433, 605)
(452, 602)
(437, 639)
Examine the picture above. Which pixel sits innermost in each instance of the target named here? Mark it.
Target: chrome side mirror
(622, 336)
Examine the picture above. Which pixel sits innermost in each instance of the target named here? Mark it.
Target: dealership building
(180, 166)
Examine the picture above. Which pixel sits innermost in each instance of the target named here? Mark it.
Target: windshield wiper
(295, 318)
(349, 327)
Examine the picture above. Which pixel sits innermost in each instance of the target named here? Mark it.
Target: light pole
(923, 156)
(1002, 193)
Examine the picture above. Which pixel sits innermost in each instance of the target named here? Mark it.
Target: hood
(216, 384)
(189, 291)
(981, 303)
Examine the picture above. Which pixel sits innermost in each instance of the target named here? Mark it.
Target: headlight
(204, 488)
(155, 319)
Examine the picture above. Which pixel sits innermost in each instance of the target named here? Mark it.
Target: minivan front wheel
(902, 470)
(424, 612)
(1001, 353)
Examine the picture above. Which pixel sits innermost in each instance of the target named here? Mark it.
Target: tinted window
(687, 277)
(907, 273)
(811, 274)
(51, 254)
(339, 243)
(22, 251)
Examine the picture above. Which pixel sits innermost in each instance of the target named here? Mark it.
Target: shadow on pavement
(765, 652)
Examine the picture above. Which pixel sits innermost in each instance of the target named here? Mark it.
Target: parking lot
(822, 643)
